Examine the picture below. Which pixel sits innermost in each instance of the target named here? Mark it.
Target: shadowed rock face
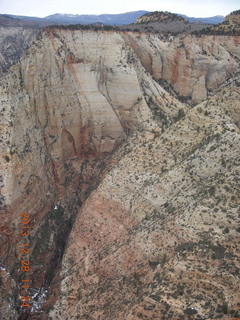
(93, 146)
(13, 42)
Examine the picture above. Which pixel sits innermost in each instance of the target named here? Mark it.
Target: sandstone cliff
(92, 143)
(193, 66)
(69, 103)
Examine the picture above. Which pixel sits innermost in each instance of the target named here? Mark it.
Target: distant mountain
(117, 19)
(210, 20)
(108, 19)
(14, 21)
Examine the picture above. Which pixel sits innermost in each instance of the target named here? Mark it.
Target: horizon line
(94, 14)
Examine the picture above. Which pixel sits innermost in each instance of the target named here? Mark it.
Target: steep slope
(67, 107)
(158, 238)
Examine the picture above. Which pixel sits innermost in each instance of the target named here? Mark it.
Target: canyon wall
(88, 133)
(158, 238)
(193, 66)
(70, 102)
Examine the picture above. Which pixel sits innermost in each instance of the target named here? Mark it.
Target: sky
(42, 8)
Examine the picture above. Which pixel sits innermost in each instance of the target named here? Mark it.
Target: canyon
(124, 149)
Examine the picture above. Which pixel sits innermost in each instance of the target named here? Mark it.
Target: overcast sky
(42, 8)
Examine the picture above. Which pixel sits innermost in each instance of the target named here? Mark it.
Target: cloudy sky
(41, 8)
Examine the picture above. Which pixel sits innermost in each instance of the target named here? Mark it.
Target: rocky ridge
(160, 16)
(233, 17)
(166, 22)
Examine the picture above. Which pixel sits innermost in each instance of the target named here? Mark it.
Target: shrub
(7, 158)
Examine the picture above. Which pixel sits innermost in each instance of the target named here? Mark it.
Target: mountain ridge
(117, 19)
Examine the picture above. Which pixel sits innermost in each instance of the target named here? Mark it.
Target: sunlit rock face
(192, 66)
(94, 147)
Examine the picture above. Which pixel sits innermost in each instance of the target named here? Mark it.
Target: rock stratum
(124, 149)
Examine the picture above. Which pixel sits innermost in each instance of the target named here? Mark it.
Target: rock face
(94, 147)
(13, 42)
(192, 66)
(69, 103)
